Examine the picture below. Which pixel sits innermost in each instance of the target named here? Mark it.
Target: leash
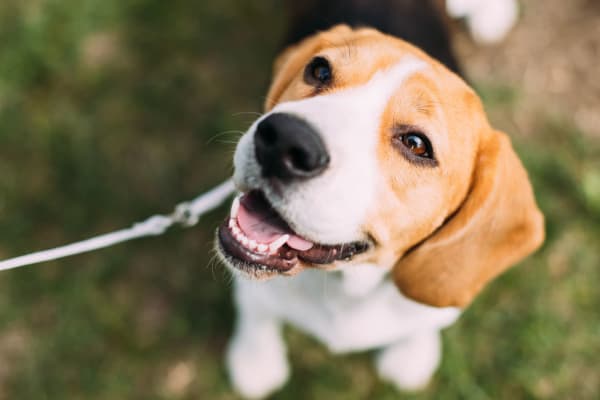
(185, 214)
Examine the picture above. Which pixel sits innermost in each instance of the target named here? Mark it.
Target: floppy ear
(497, 225)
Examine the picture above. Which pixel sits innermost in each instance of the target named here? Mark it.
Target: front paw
(411, 363)
(256, 371)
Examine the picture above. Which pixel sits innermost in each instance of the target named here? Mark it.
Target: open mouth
(255, 237)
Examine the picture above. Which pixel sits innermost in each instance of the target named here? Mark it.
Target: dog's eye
(318, 72)
(414, 145)
(417, 144)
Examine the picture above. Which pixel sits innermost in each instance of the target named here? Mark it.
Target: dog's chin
(256, 241)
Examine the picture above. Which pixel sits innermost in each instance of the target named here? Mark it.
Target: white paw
(257, 369)
(410, 364)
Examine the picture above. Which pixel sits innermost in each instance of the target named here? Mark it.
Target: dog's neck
(359, 280)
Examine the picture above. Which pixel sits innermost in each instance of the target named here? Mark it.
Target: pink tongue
(296, 242)
(265, 226)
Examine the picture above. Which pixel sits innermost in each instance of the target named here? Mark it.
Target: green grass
(113, 110)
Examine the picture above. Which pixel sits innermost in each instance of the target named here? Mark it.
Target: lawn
(112, 110)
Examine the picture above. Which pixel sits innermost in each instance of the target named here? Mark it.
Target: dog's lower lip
(284, 260)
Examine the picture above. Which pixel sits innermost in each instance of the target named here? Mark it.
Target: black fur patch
(416, 21)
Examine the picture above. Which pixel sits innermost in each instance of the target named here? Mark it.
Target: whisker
(237, 114)
(236, 131)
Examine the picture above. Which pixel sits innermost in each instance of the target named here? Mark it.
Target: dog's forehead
(374, 94)
(356, 58)
(357, 63)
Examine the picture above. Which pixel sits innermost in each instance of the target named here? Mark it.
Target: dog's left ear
(497, 225)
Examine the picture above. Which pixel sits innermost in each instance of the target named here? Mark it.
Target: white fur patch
(256, 355)
(331, 208)
(410, 363)
(359, 280)
(318, 303)
(326, 306)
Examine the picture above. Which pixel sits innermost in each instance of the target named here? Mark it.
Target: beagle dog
(375, 202)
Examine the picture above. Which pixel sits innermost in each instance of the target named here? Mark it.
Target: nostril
(304, 163)
(268, 135)
(299, 159)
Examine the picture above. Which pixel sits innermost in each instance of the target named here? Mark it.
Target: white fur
(256, 357)
(358, 280)
(489, 21)
(411, 361)
(331, 208)
(318, 303)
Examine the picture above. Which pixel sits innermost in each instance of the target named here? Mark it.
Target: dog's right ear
(498, 224)
(291, 62)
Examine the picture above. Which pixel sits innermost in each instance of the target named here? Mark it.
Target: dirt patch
(551, 57)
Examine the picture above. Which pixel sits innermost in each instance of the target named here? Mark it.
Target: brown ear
(497, 225)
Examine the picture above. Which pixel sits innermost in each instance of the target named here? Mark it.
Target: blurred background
(113, 110)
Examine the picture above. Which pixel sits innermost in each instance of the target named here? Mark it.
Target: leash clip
(184, 216)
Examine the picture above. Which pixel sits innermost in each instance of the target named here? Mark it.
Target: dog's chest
(357, 310)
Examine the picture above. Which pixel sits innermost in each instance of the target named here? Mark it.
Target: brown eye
(318, 72)
(414, 145)
(417, 144)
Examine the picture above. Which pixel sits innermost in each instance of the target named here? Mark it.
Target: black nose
(287, 147)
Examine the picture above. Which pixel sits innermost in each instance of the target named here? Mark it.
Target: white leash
(185, 214)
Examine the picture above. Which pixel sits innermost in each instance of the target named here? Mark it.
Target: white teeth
(251, 244)
(274, 246)
(235, 208)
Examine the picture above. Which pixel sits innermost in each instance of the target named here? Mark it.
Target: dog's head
(371, 151)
